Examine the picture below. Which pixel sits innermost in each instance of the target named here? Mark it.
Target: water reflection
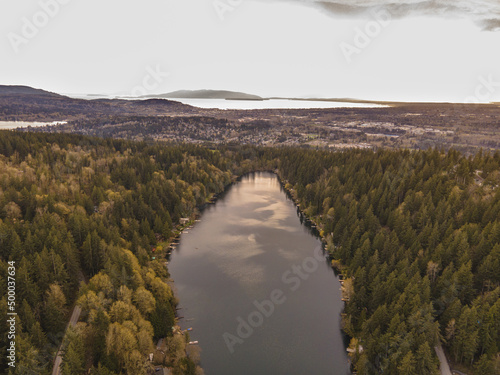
(247, 246)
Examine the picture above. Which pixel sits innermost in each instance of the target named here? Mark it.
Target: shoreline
(336, 265)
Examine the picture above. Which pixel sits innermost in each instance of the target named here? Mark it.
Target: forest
(415, 234)
(80, 218)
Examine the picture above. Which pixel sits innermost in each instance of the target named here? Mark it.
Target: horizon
(92, 96)
(334, 49)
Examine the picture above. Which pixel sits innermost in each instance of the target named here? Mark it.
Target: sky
(408, 50)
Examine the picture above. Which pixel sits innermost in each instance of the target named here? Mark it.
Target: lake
(256, 288)
(270, 104)
(245, 104)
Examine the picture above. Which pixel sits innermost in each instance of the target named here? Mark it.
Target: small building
(184, 220)
(162, 371)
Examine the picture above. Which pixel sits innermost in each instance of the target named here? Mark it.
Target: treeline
(419, 236)
(79, 217)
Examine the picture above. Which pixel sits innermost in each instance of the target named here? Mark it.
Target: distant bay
(277, 103)
(271, 104)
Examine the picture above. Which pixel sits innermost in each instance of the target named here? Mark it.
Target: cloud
(485, 13)
(491, 24)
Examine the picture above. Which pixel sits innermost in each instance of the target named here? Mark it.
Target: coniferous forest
(415, 235)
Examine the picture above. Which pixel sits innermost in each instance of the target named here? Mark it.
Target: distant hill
(23, 103)
(25, 90)
(206, 94)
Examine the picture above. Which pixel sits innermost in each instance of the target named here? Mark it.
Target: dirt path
(75, 315)
(444, 367)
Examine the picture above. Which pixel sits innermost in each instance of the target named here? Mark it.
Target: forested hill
(416, 235)
(75, 210)
(21, 103)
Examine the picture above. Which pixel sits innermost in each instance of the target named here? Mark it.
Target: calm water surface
(246, 104)
(271, 104)
(250, 250)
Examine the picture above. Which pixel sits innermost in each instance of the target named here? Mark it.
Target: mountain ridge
(206, 94)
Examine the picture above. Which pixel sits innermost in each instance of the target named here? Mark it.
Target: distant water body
(248, 104)
(270, 104)
(25, 124)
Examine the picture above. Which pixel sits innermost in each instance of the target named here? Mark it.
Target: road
(75, 315)
(444, 367)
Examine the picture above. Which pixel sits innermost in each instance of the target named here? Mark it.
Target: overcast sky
(436, 50)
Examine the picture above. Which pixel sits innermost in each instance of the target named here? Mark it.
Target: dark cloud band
(485, 13)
